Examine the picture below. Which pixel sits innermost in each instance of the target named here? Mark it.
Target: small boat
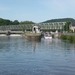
(47, 36)
(56, 35)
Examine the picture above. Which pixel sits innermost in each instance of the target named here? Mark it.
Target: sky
(36, 10)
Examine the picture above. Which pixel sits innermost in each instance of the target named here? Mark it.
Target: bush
(63, 37)
(68, 37)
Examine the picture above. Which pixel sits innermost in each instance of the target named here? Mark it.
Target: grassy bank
(70, 38)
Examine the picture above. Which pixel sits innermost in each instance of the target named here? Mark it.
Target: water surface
(19, 56)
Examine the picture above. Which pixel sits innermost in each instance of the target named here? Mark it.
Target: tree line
(61, 20)
(15, 22)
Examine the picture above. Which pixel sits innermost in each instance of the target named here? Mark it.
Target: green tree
(27, 22)
(67, 26)
(23, 29)
(1, 21)
(5, 22)
(16, 22)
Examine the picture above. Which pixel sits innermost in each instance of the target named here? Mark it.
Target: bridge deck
(12, 32)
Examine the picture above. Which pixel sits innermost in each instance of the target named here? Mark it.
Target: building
(72, 27)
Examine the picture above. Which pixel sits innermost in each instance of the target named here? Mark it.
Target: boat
(56, 34)
(47, 36)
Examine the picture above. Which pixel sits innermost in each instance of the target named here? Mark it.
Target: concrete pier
(32, 36)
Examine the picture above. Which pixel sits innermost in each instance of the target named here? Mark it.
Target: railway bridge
(52, 26)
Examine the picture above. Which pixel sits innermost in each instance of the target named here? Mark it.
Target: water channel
(19, 56)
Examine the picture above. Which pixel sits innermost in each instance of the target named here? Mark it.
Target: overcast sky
(36, 10)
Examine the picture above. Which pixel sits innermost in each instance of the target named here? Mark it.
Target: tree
(67, 26)
(23, 29)
(5, 22)
(27, 22)
(1, 21)
(16, 22)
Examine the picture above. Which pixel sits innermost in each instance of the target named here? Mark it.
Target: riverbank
(70, 38)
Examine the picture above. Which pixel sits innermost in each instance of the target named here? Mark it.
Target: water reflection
(19, 56)
(9, 43)
(48, 41)
(34, 43)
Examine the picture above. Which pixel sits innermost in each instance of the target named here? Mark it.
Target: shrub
(71, 38)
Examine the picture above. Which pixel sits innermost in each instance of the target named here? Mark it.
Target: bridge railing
(43, 26)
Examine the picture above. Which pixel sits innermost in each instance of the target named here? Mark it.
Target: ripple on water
(19, 56)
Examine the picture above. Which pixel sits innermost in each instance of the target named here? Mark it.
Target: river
(19, 56)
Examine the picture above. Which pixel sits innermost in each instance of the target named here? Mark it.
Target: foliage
(63, 37)
(15, 22)
(71, 31)
(67, 26)
(8, 22)
(71, 38)
(23, 29)
(27, 22)
(60, 20)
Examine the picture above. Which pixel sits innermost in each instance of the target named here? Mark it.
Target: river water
(19, 56)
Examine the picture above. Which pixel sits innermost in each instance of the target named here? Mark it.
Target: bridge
(43, 26)
(11, 32)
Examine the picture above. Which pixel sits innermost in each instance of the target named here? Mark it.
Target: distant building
(72, 27)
